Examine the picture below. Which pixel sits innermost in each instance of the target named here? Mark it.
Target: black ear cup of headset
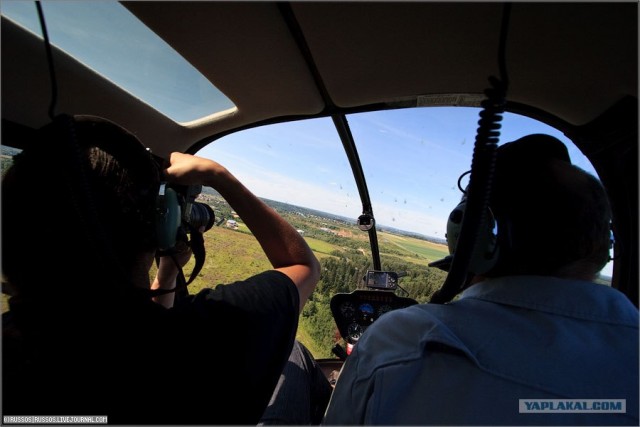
(168, 217)
(486, 251)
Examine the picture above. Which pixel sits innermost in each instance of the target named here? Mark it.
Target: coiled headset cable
(482, 172)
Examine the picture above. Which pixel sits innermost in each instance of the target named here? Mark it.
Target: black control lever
(339, 351)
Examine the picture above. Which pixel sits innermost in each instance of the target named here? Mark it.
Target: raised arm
(284, 246)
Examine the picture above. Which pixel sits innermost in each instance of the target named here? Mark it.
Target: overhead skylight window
(108, 38)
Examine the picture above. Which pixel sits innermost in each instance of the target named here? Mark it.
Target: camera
(195, 214)
(178, 214)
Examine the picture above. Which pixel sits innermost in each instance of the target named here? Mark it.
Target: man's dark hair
(77, 208)
(553, 218)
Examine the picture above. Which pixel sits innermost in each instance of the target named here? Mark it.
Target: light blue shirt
(483, 358)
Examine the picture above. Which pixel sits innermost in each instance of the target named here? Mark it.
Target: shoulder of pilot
(402, 335)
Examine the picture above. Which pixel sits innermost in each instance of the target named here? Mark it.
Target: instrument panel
(356, 311)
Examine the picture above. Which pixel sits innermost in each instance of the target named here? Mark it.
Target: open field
(429, 250)
(320, 247)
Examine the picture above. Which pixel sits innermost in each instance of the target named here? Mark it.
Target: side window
(6, 158)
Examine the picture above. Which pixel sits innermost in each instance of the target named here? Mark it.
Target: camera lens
(201, 216)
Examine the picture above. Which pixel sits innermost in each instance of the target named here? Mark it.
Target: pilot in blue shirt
(533, 340)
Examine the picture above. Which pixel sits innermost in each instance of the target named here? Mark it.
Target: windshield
(411, 158)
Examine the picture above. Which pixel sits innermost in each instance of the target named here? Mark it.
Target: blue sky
(412, 159)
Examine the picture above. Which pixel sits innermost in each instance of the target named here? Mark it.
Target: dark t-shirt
(215, 358)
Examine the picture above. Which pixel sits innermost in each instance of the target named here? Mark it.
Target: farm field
(429, 250)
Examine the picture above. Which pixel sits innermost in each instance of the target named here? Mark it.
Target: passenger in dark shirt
(86, 335)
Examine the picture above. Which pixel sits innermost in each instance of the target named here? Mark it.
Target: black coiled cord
(475, 218)
(476, 210)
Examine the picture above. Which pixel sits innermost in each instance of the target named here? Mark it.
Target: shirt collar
(574, 298)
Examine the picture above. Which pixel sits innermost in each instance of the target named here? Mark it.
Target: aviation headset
(486, 250)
